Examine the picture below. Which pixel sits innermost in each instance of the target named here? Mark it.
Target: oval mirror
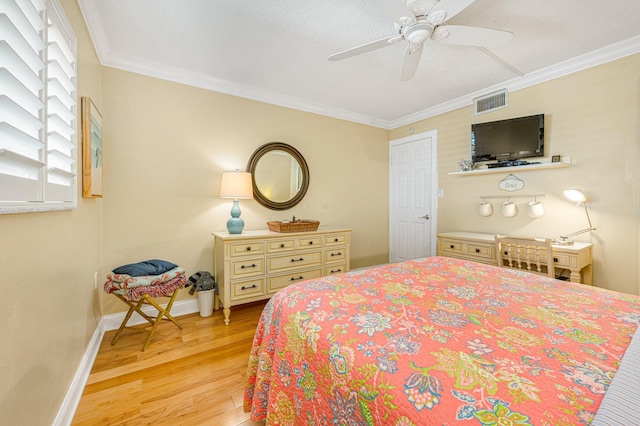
(280, 175)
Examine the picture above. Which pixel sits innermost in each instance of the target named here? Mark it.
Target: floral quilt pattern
(437, 341)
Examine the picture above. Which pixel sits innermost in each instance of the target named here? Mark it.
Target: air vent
(491, 102)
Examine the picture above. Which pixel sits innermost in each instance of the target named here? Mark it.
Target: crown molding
(179, 75)
(91, 15)
(601, 56)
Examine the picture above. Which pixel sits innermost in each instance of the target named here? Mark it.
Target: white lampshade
(574, 195)
(236, 185)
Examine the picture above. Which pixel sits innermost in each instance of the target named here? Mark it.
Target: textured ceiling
(276, 50)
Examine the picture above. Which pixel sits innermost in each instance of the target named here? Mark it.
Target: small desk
(481, 247)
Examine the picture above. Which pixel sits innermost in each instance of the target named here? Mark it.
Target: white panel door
(412, 191)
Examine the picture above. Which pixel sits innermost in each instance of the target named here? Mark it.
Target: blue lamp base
(235, 225)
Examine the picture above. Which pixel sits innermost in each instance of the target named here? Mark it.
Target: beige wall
(167, 144)
(592, 116)
(50, 309)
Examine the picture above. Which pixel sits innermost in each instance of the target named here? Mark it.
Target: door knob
(426, 216)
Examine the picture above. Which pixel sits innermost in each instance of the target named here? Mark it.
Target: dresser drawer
(280, 245)
(276, 283)
(309, 242)
(245, 248)
(451, 246)
(335, 269)
(483, 251)
(562, 260)
(335, 239)
(247, 267)
(297, 260)
(334, 255)
(246, 289)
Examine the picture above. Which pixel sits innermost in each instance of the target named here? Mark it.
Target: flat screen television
(506, 140)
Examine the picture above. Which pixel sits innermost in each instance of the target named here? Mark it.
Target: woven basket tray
(297, 226)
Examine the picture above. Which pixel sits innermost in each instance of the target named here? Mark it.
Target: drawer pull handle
(451, 246)
(337, 254)
(249, 288)
(555, 259)
(282, 245)
(337, 270)
(310, 243)
(248, 248)
(253, 265)
(296, 279)
(297, 260)
(477, 250)
(335, 241)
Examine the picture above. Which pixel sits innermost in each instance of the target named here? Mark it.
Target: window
(38, 124)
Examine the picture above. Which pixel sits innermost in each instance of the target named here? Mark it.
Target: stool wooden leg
(161, 312)
(132, 308)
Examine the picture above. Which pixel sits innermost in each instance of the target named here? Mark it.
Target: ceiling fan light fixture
(440, 34)
(417, 21)
(406, 21)
(437, 17)
(418, 33)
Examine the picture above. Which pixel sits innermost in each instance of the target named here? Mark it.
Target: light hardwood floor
(193, 376)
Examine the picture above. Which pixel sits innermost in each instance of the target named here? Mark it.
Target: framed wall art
(91, 149)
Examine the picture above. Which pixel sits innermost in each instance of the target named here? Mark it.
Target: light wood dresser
(481, 247)
(254, 265)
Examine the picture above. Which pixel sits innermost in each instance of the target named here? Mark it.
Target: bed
(438, 341)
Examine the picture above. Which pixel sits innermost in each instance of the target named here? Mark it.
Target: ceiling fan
(421, 20)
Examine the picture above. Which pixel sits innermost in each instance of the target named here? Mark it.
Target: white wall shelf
(524, 168)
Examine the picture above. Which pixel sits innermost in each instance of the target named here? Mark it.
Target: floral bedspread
(437, 341)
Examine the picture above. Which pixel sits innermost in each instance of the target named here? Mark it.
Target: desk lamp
(236, 185)
(577, 197)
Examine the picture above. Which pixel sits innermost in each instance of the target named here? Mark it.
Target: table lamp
(236, 185)
(577, 197)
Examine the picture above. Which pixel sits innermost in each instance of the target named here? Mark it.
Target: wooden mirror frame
(251, 167)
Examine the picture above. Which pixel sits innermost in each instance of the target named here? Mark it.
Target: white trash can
(205, 302)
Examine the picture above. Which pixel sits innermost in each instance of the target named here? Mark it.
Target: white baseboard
(72, 398)
(108, 322)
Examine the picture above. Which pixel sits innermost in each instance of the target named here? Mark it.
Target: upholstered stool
(137, 290)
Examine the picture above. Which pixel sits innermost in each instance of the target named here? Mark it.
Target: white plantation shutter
(61, 116)
(38, 125)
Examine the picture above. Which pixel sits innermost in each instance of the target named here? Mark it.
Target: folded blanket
(163, 288)
(127, 281)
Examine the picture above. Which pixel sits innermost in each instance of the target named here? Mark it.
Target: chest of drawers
(254, 265)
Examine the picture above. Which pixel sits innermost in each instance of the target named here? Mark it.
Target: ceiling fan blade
(367, 47)
(411, 61)
(471, 36)
(396, 10)
(447, 9)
